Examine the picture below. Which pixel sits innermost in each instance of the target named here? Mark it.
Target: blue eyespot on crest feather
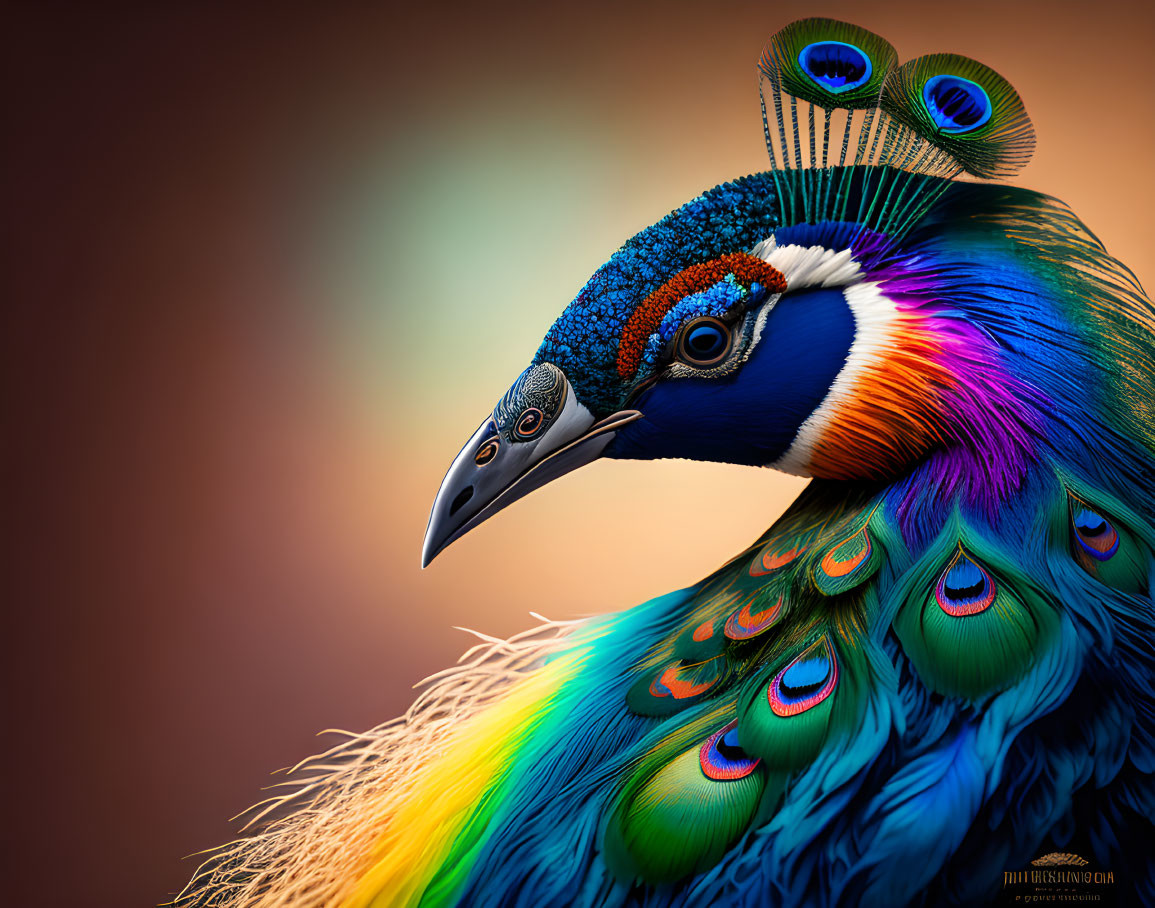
(965, 109)
(835, 65)
(808, 680)
(973, 623)
(829, 63)
(956, 105)
(1104, 544)
(681, 810)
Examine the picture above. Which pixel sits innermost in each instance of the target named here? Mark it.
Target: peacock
(937, 667)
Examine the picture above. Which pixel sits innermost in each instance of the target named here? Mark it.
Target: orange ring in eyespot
(686, 356)
(529, 423)
(486, 452)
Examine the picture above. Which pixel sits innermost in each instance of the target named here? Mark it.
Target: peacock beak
(538, 432)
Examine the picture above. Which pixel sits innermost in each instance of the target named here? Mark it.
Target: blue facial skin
(751, 416)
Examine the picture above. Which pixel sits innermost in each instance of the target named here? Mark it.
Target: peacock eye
(704, 342)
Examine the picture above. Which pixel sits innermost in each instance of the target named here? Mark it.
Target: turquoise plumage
(934, 669)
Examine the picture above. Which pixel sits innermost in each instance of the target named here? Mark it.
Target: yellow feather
(427, 814)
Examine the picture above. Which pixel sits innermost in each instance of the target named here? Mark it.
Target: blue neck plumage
(753, 416)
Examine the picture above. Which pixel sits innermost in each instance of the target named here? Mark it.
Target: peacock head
(714, 335)
(719, 335)
(813, 318)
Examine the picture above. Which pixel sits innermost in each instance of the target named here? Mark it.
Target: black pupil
(836, 65)
(965, 592)
(1092, 524)
(958, 104)
(705, 341)
(799, 691)
(727, 746)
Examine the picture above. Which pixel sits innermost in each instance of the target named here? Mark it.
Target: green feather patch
(971, 622)
(783, 719)
(677, 820)
(1098, 532)
(675, 685)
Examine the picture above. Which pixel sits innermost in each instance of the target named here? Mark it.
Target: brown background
(265, 272)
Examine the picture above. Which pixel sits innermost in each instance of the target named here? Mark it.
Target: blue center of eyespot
(1095, 534)
(705, 341)
(805, 676)
(835, 66)
(728, 745)
(728, 751)
(1090, 523)
(964, 581)
(956, 105)
(723, 758)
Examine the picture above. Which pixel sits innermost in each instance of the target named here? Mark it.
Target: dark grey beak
(538, 432)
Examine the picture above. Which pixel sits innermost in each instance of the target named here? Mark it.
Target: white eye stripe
(802, 266)
(810, 266)
(875, 318)
(818, 266)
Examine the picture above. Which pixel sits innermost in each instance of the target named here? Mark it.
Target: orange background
(266, 274)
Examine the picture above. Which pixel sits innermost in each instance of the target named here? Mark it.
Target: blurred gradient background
(266, 272)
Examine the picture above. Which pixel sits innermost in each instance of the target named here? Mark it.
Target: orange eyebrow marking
(644, 320)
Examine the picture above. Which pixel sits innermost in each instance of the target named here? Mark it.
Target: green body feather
(679, 822)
